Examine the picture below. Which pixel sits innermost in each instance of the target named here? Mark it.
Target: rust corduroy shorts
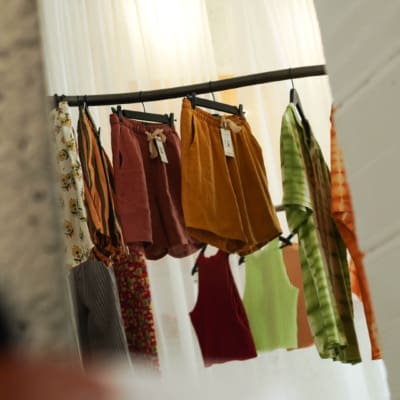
(148, 191)
(225, 200)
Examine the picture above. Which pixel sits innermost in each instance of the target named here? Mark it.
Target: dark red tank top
(219, 317)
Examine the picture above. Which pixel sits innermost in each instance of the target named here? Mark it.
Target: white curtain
(109, 46)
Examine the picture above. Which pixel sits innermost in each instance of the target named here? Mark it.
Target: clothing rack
(198, 88)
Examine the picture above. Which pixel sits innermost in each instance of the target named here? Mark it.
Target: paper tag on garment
(227, 142)
(161, 151)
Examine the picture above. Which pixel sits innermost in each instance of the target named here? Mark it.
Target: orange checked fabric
(342, 213)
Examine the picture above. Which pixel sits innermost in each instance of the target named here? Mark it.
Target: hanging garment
(325, 324)
(355, 282)
(98, 315)
(342, 212)
(270, 300)
(77, 241)
(148, 187)
(291, 258)
(331, 242)
(135, 299)
(219, 318)
(225, 199)
(99, 192)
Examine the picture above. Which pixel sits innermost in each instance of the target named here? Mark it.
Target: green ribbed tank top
(270, 299)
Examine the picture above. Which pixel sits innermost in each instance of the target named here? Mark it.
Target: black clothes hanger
(213, 98)
(215, 105)
(85, 109)
(294, 98)
(145, 116)
(286, 241)
(195, 266)
(58, 99)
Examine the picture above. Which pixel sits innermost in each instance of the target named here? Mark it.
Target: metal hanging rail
(199, 88)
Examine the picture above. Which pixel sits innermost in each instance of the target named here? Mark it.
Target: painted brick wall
(362, 48)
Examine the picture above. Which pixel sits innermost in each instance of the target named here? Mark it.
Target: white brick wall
(362, 48)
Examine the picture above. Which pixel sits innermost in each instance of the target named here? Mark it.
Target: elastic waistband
(139, 126)
(211, 119)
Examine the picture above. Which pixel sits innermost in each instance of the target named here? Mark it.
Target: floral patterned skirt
(136, 308)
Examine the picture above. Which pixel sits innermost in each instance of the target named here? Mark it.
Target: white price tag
(161, 151)
(227, 142)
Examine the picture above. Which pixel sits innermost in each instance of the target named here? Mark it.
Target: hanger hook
(140, 99)
(210, 88)
(291, 77)
(85, 101)
(56, 100)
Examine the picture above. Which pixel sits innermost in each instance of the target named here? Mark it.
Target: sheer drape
(108, 46)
